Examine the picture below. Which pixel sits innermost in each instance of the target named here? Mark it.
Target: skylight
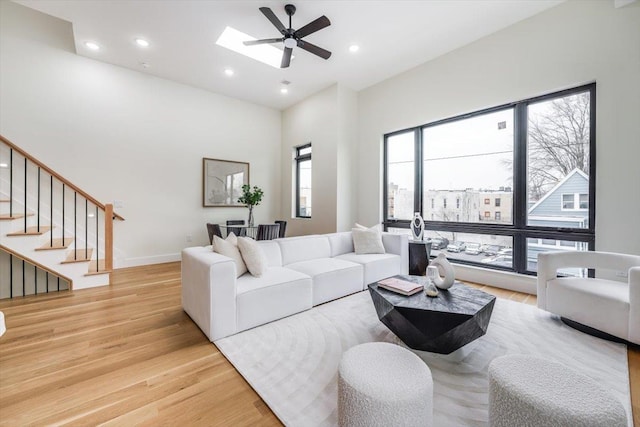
(232, 39)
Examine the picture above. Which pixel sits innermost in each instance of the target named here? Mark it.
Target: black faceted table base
(442, 324)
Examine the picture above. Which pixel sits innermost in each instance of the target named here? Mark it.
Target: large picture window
(519, 175)
(303, 181)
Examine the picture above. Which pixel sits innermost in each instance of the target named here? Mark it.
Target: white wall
(327, 120)
(124, 135)
(574, 43)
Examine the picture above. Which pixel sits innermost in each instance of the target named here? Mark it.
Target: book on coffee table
(400, 286)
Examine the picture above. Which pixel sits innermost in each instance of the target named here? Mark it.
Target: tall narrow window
(303, 181)
(400, 175)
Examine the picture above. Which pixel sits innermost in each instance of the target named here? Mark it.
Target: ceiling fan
(291, 37)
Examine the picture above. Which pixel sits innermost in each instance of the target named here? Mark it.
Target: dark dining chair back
(213, 230)
(283, 228)
(268, 231)
(236, 230)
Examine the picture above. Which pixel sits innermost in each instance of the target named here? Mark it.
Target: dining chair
(283, 228)
(213, 230)
(268, 231)
(236, 230)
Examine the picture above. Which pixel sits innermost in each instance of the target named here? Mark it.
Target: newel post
(108, 237)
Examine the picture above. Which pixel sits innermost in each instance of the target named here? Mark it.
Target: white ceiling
(394, 36)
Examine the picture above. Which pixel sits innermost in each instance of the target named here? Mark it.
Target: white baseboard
(155, 259)
(499, 279)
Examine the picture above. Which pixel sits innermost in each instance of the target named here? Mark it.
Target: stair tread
(8, 217)
(78, 256)
(92, 268)
(57, 243)
(31, 231)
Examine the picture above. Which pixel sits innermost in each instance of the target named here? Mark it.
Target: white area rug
(292, 363)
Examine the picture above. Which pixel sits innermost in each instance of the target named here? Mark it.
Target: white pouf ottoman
(382, 384)
(530, 391)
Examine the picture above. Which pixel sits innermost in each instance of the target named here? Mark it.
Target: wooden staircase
(52, 225)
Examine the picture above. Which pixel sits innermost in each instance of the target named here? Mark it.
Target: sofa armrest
(209, 291)
(634, 305)
(397, 244)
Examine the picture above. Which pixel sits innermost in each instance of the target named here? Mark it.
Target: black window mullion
(520, 203)
(418, 165)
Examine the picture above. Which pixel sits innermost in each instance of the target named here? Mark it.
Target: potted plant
(251, 199)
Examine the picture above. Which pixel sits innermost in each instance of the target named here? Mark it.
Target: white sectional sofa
(303, 272)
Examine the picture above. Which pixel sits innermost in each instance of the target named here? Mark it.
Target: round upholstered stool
(382, 384)
(529, 391)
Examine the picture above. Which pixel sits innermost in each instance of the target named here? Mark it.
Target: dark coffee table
(442, 324)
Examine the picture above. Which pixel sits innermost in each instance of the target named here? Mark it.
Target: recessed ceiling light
(284, 90)
(232, 39)
(354, 48)
(229, 72)
(92, 45)
(142, 43)
(4, 165)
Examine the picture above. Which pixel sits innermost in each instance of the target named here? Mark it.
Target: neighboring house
(565, 205)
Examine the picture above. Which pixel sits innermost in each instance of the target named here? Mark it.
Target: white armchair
(608, 306)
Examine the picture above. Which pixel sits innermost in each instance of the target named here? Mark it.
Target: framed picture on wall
(222, 182)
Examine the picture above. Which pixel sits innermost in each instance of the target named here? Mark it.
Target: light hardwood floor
(127, 354)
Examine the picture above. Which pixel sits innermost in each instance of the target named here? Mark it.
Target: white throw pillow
(253, 256)
(367, 241)
(229, 248)
(377, 227)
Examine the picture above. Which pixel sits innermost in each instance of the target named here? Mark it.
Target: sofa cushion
(340, 243)
(303, 248)
(229, 247)
(599, 303)
(332, 278)
(367, 241)
(376, 266)
(253, 256)
(278, 293)
(271, 250)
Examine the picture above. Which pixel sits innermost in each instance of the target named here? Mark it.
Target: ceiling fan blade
(263, 41)
(274, 19)
(313, 26)
(286, 58)
(309, 47)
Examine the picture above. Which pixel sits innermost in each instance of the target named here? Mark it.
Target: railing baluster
(51, 208)
(11, 276)
(11, 183)
(25, 194)
(35, 278)
(24, 291)
(58, 283)
(47, 282)
(86, 229)
(97, 242)
(75, 228)
(39, 198)
(63, 214)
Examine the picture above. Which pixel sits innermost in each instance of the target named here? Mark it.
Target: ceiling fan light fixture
(290, 43)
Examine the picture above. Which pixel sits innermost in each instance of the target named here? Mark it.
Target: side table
(419, 252)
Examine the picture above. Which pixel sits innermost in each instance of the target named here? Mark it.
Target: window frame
(519, 229)
(299, 158)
